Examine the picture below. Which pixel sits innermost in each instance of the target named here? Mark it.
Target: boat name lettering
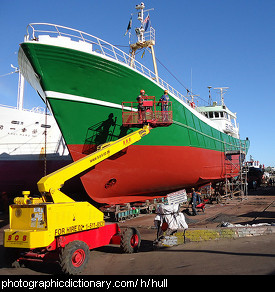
(229, 127)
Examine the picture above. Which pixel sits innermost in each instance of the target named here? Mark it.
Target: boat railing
(25, 148)
(38, 109)
(8, 106)
(150, 34)
(99, 46)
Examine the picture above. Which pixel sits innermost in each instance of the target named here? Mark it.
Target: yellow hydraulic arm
(49, 185)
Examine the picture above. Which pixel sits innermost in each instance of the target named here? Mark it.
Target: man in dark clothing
(164, 104)
(164, 101)
(194, 201)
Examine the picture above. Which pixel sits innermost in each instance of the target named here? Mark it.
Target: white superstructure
(221, 115)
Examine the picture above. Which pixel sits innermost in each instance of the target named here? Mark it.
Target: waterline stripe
(71, 97)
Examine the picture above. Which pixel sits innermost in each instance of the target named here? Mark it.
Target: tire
(10, 257)
(130, 240)
(74, 257)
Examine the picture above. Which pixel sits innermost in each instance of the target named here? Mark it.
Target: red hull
(145, 172)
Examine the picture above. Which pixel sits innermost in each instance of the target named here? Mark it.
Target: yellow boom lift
(55, 227)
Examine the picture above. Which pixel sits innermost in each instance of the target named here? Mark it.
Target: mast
(20, 93)
(20, 89)
(142, 41)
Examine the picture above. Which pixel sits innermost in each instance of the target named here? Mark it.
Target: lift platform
(54, 227)
(155, 113)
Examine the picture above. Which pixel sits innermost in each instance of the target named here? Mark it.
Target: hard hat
(165, 91)
(142, 91)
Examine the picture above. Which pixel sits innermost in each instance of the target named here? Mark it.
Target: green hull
(85, 75)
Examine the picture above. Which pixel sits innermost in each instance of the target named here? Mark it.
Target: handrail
(37, 109)
(104, 48)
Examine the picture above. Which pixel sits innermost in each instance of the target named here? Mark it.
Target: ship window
(210, 115)
(221, 114)
(216, 114)
(15, 122)
(45, 126)
(206, 114)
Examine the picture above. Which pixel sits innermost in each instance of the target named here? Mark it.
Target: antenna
(141, 40)
(210, 101)
(222, 91)
(140, 30)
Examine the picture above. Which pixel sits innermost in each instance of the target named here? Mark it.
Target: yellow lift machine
(55, 227)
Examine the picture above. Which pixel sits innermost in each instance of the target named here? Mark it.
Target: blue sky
(222, 42)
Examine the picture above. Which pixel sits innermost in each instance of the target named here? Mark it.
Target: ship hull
(143, 172)
(85, 91)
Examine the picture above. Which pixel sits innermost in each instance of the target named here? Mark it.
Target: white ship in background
(30, 144)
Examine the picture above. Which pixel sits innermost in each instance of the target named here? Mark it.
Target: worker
(164, 100)
(141, 107)
(254, 183)
(194, 201)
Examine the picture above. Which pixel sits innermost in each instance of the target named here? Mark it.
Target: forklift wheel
(130, 240)
(73, 257)
(10, 257)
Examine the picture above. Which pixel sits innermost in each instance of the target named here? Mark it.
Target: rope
(188, 91)
(45, 155)
(9, 73)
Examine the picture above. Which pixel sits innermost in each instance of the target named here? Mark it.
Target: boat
(255, 174)
(85, 80)
(30, 145)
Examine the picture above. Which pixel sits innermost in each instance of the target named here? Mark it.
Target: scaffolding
(235, 170)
